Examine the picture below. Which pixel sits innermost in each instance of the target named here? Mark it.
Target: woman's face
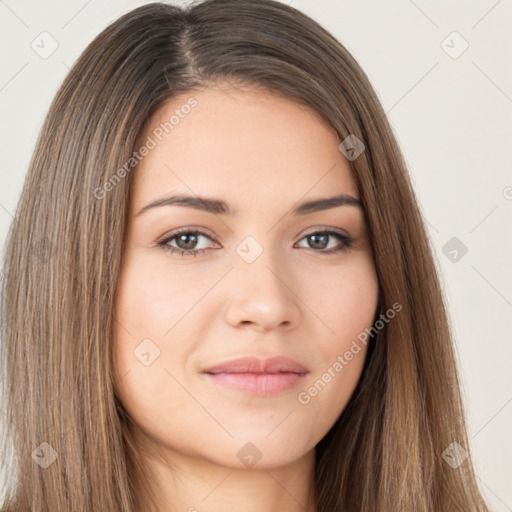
(251, 272)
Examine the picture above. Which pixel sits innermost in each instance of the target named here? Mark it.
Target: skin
(261, 154)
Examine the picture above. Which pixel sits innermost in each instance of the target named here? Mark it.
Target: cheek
(143, 357)
(348, 303)
(150, 300)
(143, 315)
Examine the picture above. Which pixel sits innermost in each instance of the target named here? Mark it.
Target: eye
(186, 241)
(321, 240)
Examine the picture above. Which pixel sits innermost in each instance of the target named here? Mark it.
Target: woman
(219, 293)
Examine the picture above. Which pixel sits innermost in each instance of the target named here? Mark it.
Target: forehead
(238, 143)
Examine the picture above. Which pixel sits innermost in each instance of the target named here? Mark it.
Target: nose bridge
(259, 289)
(261, 264)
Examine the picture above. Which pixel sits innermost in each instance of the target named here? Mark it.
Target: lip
(254, 364)
(260, 377)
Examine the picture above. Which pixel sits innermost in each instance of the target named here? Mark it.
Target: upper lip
(251, 364)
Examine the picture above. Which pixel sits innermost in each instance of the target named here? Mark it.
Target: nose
(262, 296)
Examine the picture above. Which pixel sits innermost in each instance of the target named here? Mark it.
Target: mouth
(260, 377)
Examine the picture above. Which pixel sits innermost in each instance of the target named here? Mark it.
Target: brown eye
(185, 241)
(320, 240)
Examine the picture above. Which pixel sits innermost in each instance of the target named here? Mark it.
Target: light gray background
(452, 117)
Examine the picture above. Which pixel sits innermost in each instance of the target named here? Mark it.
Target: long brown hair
(66, 443)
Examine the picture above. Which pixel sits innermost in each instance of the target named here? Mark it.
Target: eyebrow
(220, 207)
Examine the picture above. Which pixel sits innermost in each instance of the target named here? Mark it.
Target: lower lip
(260, 384)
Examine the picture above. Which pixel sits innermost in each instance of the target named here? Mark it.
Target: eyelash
(346, 242)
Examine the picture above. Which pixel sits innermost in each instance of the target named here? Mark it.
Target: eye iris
(315, 238)
(188, 244)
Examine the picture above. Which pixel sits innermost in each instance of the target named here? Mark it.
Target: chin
(256, 452)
